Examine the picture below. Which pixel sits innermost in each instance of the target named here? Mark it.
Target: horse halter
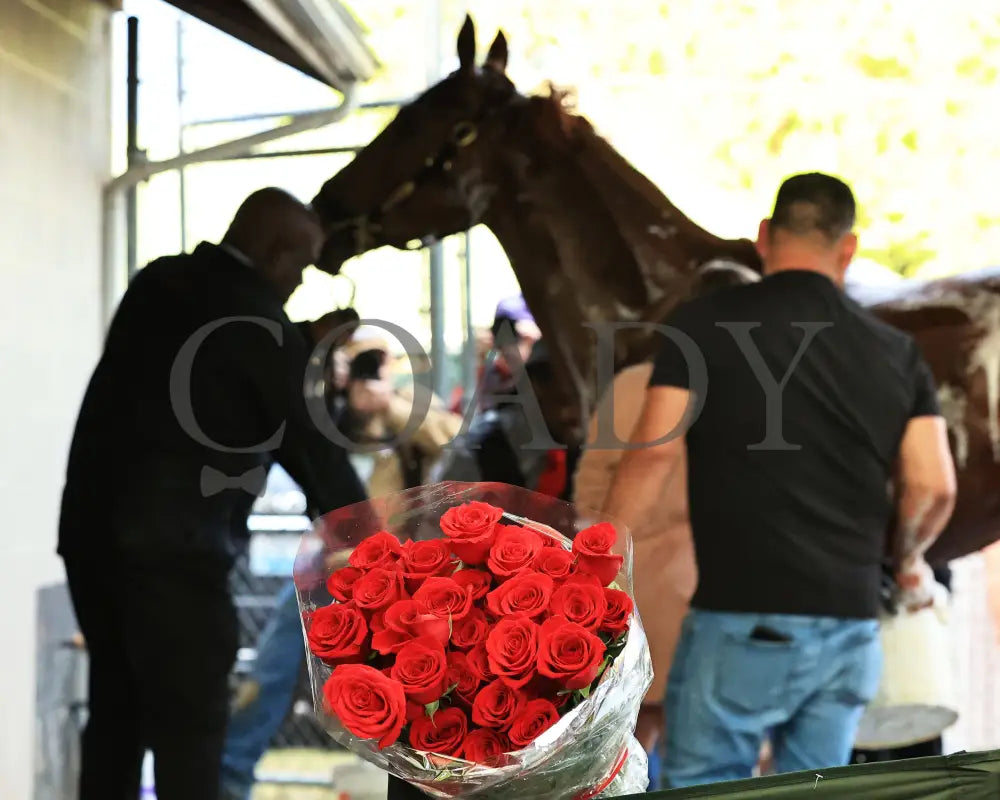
(463, 134)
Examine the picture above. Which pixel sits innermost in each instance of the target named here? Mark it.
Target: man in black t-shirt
(812, 431)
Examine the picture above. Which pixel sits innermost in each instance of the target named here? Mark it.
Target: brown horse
(592, 240)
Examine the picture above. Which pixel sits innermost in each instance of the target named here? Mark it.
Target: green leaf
(372, 655)
(431, 708)
(450, 690)
(584, 693)
(449, 626)
(460, 567)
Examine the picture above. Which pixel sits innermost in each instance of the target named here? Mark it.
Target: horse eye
(464, 134)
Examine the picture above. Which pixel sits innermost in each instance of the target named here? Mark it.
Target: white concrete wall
(54, 130)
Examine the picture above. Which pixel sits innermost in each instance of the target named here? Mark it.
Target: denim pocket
(752, 675)
(859, 679)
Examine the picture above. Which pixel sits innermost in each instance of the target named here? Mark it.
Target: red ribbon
(607, 781)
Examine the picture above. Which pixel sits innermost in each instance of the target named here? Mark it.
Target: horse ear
(497, 57)
(467, 45)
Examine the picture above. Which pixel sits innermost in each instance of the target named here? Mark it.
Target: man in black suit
(201, 386)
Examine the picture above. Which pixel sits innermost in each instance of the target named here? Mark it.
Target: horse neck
(626, 249)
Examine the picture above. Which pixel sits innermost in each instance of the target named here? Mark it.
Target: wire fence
(254, 593)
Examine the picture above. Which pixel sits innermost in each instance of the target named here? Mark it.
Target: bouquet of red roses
(483, 648)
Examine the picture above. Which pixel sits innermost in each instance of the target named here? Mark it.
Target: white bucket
(915, 701)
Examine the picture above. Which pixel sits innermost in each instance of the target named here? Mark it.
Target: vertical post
(180, 129)
(469, 350)
(132, 149)
(439, 351)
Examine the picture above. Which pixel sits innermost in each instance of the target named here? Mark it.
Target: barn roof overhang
(320, 38)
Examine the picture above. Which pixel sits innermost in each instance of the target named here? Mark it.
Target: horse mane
(557, 107)
(558, 125)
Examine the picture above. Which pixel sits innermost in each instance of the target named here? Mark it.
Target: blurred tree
(718, 100)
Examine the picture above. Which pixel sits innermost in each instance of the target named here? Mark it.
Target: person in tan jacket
(664, 571)
(664, 567)
(379, 412)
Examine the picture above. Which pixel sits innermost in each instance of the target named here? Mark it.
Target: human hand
(344, 318)
(915, 579)
(369, 396)
(649, 726)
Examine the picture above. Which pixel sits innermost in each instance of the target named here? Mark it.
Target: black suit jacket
(150, 423)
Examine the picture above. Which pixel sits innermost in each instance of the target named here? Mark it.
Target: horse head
(428, 174)
(591, 240)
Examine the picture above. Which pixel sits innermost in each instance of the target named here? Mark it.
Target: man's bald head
(279, 234)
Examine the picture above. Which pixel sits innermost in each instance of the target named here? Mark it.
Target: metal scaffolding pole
(439, 351)
(469, 354)
(132, 153)
(180, 130)
(255, 117)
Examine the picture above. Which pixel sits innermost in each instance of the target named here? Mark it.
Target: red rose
(619, 611)
(444, 735)
(569, 653)
(379, 550)
(524, 595)
(367, 703)
(337, 634)
(513, 550)
(421, 667)
(404, 622)
(555, 562)
(479, 662)
(512, 647)
(474, 579)
(415, 711)
(377, 621)
(461, 677)
(424, 560)
(592, 547)
(497, 704)
(548, 540)
(443, 598)
(378, 589)
(470, 630)
(484, 746)
(471, 528)
(580, 602)
(536, 717)
(341, 583)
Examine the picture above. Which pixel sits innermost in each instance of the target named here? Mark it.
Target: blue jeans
(280, 652)
(727, 692)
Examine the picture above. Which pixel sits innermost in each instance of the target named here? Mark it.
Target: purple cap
(514, 309)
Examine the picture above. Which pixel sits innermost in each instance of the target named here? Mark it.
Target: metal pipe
(180, 130)
(307, 122)
(469, 350)
(439, 350)
(278, 114)
(112, 282)
(317, 151)
(131, 148)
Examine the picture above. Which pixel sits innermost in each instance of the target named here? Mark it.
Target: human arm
(925, 499)
(307, 451)
(438, 427)
(662, 423)
(925, 487)
(643, 472)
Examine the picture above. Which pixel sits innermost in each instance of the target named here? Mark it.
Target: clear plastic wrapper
(589, 752)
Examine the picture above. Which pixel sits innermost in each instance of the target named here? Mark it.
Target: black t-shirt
(799, 528)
